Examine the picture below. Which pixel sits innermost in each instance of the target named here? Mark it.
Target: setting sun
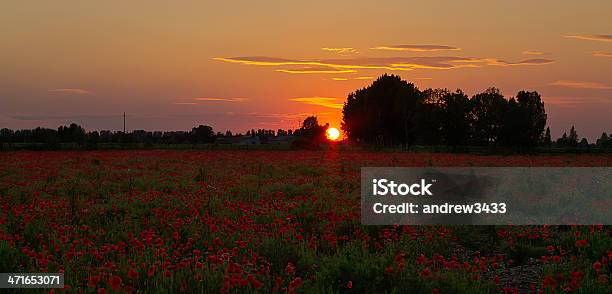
(333, 134)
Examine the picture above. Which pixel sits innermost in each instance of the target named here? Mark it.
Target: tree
(311, 134)
(604, 141)
(455, 125)
(562, 141)
(487, 116)
(532, 118)
(547, 141)
(203, 134)
(71, 134)
(312, 130)
(429, 117)
(572, 139)
(383, 113)
(568, 141)
(6, 135)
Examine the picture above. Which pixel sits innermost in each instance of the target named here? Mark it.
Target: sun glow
(333, 134)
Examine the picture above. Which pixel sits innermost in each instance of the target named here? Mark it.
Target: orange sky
(267, 64)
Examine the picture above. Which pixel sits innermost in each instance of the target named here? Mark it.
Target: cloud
(602, 54)
(570, 101)
(316, 70)
(580, 84)
(379, 63)
(355, 78)
(534, 53)
(385, 63)
(341, 50)
(416, 48)
(75, 91)
(184, 103)
(320, 101)
(283, 115)
(535, 61)
(601, 38)
(221, 99)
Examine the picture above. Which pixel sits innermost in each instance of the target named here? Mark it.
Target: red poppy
(132, 274)
(115, 283)
(290, 269)
(581, 243)
(93, 281)
(597, 266)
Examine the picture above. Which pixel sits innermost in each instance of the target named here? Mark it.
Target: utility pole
(124, 122)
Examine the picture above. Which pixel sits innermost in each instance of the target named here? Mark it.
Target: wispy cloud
(355, 78)
(316, 70)
(535, 61)
(571, 101)
(184, 103)
(221, 99)
(602, 54)
(580, 84)
(416, 48)
(340, 50)
(534, 53)
(74, 91)
(601, 38)
(284, 118)
(320, 101)
(385, 63)
(379, 63)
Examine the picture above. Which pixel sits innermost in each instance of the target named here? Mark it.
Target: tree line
(393, 112)
(75, 134)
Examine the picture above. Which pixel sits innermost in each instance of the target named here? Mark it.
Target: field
(269, 221)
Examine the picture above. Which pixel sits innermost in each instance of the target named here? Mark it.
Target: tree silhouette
(383, 113)
(572, 139)
(202, 134)
(531, 118)
(568, 141)
(311, 134)
(391, 111)
(71, 134)
(455, 125)
(604, 141)
(547, 141)
(487, 115)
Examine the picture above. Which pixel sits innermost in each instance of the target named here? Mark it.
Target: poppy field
(232, 221)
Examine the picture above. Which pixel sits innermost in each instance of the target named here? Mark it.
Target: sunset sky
(267, 64)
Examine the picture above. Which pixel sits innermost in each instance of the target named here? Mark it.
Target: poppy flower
(115, 283)
(581, 243)
(132, 274)
(597, 266)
